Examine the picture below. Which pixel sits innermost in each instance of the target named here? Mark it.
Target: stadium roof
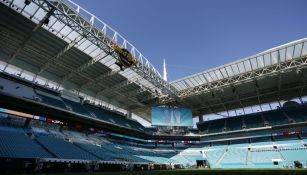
(71, 47)
(68, 47)
(252, 63)
(272, 75)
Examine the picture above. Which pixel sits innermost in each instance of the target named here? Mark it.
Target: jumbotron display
(171, 116)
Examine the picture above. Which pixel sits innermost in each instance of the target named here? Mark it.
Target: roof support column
(200, 118)
(129, 114)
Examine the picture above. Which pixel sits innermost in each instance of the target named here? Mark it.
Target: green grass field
(206, 172)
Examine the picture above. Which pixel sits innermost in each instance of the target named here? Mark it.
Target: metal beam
(259, 71)
(279, 81)
(213, 91)
(101, 37)
(27, 39)
(238, 97)
(135, 92)
(84, 66)
(304, 79)
(116, 86)
(98, 79)
(59, 55)
(286, 66)
(255, 96)
(113, 88)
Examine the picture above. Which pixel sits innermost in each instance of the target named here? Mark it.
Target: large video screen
(171, 116)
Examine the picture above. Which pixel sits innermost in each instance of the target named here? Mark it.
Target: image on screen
(171, 116)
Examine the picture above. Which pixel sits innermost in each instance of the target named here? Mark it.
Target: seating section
(264, 156)
(217, 126)
(99, 151)
(189, 156)
(214, 154)
(234, 123)
(184, 160)
(52, 101)
(253, 121)
(256, 120)
(294, 155)
(254, 155)
(48, 98)
(64, 149)
(16, 89)
(98, 113)
(204, 126)
(284, 144)
(14, 142)
(76, 107)
(298, 114)
(235, 156)
(123, 153)
(18, 145)
(149, 155)
(276, 117)
(113, 118)
(91, 111)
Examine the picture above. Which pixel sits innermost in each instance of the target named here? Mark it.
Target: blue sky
(195, 35)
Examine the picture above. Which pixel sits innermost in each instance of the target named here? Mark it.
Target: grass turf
(206, 172)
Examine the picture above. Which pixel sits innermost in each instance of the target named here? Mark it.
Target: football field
(206, 172)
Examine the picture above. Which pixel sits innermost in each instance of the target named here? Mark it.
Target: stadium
(70, 86)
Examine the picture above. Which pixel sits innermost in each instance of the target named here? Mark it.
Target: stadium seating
(113, 118)
(217, 126)
(264, 156)
(148, 155)
(99, 151)
(236, 155)
(89, 110)
(51, 101)
(51, 144)
(48, 145)
(76, 107)
(183, 159)
(189, 156)
(234, 123)
(203, 126)
(275, 117)
(261, 155)
(288, 143)
(16, 89)
(64, 149)
(299, 114)
(215, 154)
(253, 121)
(256, 120)
(291, 155)
(15, 143)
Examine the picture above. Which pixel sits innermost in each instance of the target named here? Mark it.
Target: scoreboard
(171, 116)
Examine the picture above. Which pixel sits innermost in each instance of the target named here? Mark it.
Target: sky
(196, 35)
